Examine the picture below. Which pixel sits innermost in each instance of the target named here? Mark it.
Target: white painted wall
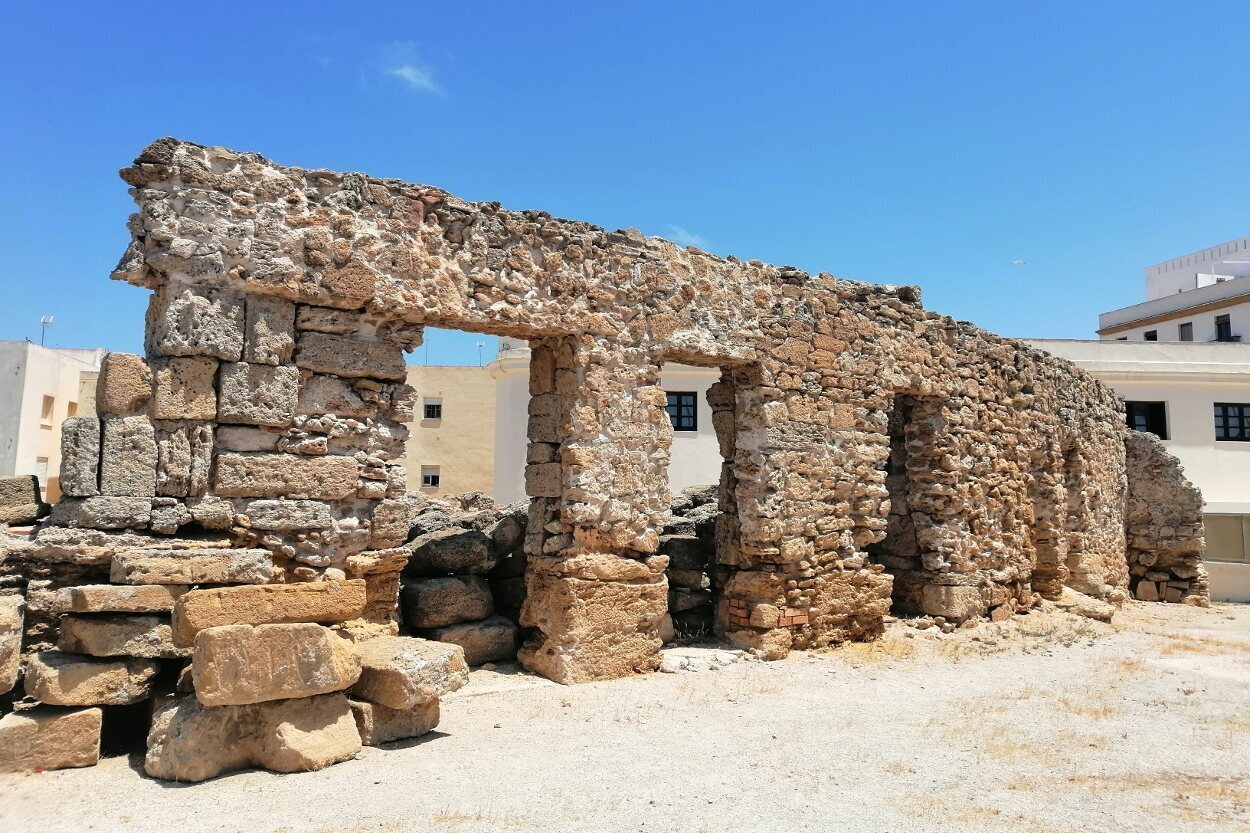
(1198, 269)
(1204, 324)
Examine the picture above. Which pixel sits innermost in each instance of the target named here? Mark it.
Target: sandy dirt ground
(1047, 723)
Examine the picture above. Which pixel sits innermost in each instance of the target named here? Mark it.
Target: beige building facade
(451, 448)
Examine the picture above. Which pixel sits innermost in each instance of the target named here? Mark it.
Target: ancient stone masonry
(237, 550)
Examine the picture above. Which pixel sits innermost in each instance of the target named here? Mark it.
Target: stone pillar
(598, 461)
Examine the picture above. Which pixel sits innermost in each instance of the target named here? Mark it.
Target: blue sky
(931, 143)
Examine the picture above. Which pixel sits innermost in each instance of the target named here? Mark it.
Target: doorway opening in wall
(899, 552)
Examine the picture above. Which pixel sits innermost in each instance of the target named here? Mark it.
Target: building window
(429, 477)
(1223, 328)
(682, 411)
(1226, 537)
(41, 472)
(45, 412)
(1150, 417)
(433, 409)
(1151, 335)
(1232, 422)
(1186, 331)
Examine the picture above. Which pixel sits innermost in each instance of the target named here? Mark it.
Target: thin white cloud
(400, 61)
(687, 238)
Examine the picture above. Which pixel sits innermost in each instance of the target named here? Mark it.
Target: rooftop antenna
(480, 345)
(45, 323)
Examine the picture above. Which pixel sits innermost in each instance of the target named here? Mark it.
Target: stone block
(544, 419)
(20, 501)
(269, 333)
(289, 475)
(12, 617)
(350, 357)
(234, 665)
(544, 479)
(957, 603)
(380, 724)
(184, 454)
(191, 742)
(403, 672)
(391, 523)
(450, 551)
(325, 602)
(59, 679)
(124, 385)
(237, 438)
(49, 738)
(168, 514)
(435, 602)
(685, 552)
(149, 637)
(211, 512)
(103, 512)
(327, 320)
(128, 462)
(332, 395)
(287, 515)
(257, 394)
(200, 321)
(209, 565)
(80, 457)
(115, 598)
(488, 640)
(185, 389)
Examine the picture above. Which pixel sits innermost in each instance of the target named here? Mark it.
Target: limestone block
(290, 475)
(237, 438)
(124, 385)
(12, 617)
(211, 512)
(488, 640)
(128, 462)
(149, 637)
(403, 672)
(211, 565)
(685, 552)
(184, 454)
(591, 630)
(342, 356)
(451, 550)
(103, 512)
(380, 724)
(391, 523)
(260, 604)
(257, 394)
(184, 389)
(332, 395)
(1083, 605)
(544, 419)
(200, 321)
(234, 665)
(115, 598)
(49, 738)
(20, 501)
(544, 479)
(327, 320)
(190, 742)
(59, 679)
(80, 457)
(404, 402)
(287, 515)
(269, 335)
(435, 602)
(956, 603)
(168, 514)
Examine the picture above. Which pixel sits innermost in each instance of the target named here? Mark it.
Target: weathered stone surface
(257, 394)
(49, 738)
(149, 637)
(196, 321)
(269, 475)
(402, 672)
(327, 320)
(343, 356)
(12, 617)
(391, 522)
(238, 438)
(324, 602)
(270, 330)
(1083, 605)
(435, 602)
(103, 512)
(380, 724)
(488, 640)
(128, 462)
(287, 515)
(189, 566)
(59, 679)
(114, 598)
(20, 501)
(234, 665)
(211, 512)
(332, 395)
(451, 550)
(191, 742)
(185, 389)
(80, 457)
(184, 454)
(124, 385)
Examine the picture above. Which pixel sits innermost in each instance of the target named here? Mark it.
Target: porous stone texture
(20, 501)
(12, 617)
(60, 679)
(49, 738)
(349, 357)
(380, 724)
(264, 475)
(487, 640)
(149, 637)
(185, 389)
(269, 334)
(402, 672)
(80, 456)
(435, 602)
(112, 598)
(103, 512)
(124, 385)
(234, 665)
(259, 604)
(190, 566)
(128, 462)
(451, 550)
(257, 394)
(191, 742)
(184, 453)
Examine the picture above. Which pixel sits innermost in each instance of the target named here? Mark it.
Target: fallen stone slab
(325, 602)
(488, 640)
(192, 566)
(1083, 605)
(150, 637)
(20, 500)
(49, 738)
(191, 742)
(380, 724)
(59, 679)
(403, 672)
(235, 665)
(12, 617)
(435, 602)
(115, 598)
(450, 551)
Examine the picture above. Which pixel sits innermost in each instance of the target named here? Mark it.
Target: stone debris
(435, 602)
(380, 724)
(234, 665)
(60, 679)
(402, 672)
(12, 617)
(20, 500)
(49, 738)
(486, 640)
(693, 658)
